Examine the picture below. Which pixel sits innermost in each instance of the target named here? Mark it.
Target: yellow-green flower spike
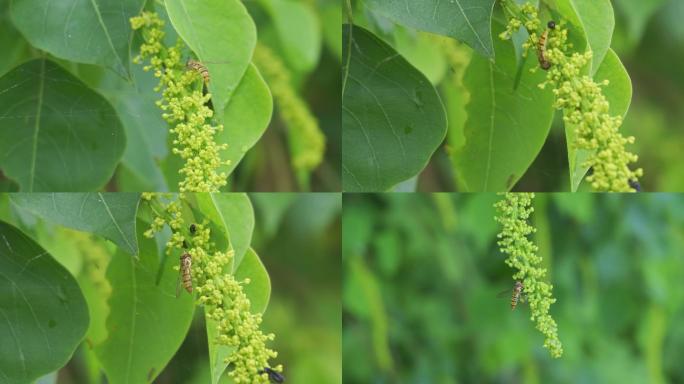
(582, 101)
(184, 107)
(219, 292)
(514, 211)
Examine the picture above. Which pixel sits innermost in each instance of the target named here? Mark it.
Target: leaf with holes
(222, 35)
(507, 124)
(56, 134)
(111, 215)
(466, 20)
(92, 32)
(147, 322)
(43, 315)
(392, 118)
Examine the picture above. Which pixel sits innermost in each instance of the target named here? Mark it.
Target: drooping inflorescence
(223, 297)
(514, 211)
(184, 107)
(584, 105)
(307, 142)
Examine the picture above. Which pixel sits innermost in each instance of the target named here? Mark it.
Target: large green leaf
(222, 35)
(110, 215)
(93, 32)
(147, 323)
(56, 134)
(298, 31)
(245, 118)
(619, 95)
(593, 19)
(238, 218)
(258, 291)
(466, 20)
(43, 315)
(392, 117)
(506, 125)
(15, 48)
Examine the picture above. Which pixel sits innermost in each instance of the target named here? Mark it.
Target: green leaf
(594, 19)
(619, 95)
(43, 315)
(110, 215)
(147, 323)
(506, 125)
(14, 47)
(237, 215)
(245, 118)
(466, 20)
(222, 35)
(392, 117)
(92, 32)
(258, 291)
(56, 134)
(298, 31)
(331, 18)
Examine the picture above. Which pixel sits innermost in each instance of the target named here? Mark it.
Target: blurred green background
(648, 37)
(421, 274)
(297, 236)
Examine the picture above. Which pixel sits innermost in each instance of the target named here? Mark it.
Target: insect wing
(178, 284)
(504, 293)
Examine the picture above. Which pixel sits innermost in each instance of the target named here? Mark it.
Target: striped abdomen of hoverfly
(541, 46)
(186, 271)
(200, 68)
(515, 297)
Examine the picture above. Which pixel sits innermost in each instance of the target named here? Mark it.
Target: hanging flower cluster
(222, 295)
(307, 143)
(582, 100)
(513, 213)
(184, 107)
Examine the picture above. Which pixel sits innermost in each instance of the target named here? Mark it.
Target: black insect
(274, 376)
(551, 24)
(193, 228)
(635, 185)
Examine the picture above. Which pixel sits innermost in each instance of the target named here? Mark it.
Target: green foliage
(147, 322)
(94, 32)
(49, 138)
(392, 117)
(44, 314)
(111, 215)
(222, 35)
(615, 262)
(466, 20)
(502, 137)
(550, 160)
(137, 321)
(56, 134)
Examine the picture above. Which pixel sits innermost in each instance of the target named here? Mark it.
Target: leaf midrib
(36, 128)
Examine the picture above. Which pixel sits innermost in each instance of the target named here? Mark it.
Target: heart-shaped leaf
(43, 315)
(392, 117)
(111, 215)
(56, 134)
(92, 32)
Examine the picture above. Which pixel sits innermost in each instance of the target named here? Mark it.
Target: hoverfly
(273, 375)
(517, 294)
(199, 67)
(541, 46)
(185, 274)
